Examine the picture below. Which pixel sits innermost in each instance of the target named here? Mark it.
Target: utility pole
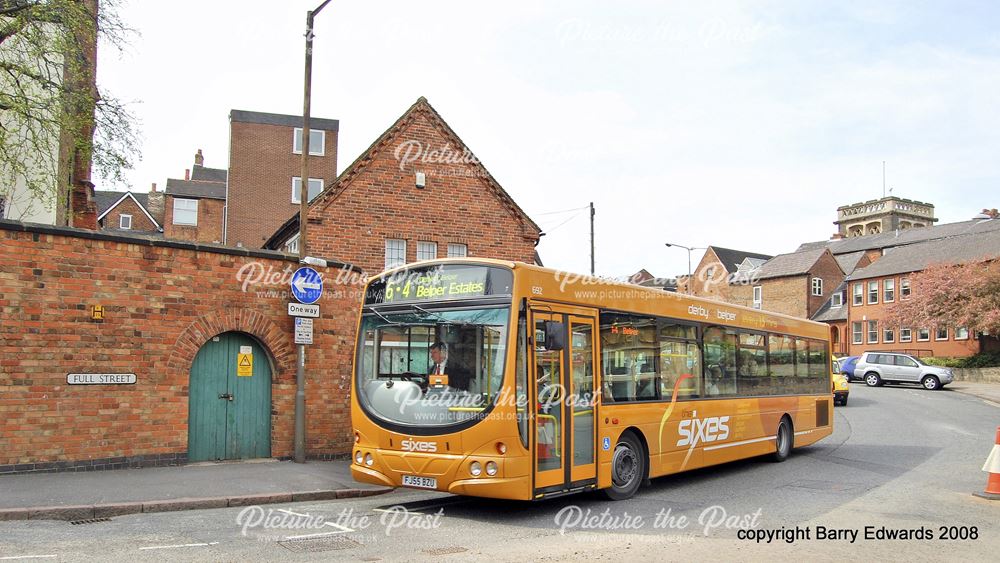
(591, 238)
(300, 370)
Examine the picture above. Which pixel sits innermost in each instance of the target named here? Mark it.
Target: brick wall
(950, 347)
(710, 279)
(380, 201)
(161, 302)
(261, 168)
(211, 217)
(128, 206)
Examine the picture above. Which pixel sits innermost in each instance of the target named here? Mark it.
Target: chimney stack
(187, 173)
(199, 160)
(153, 189)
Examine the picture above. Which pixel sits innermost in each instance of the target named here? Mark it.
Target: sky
(737, 124)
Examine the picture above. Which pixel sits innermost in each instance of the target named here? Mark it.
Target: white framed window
(315, 186)
(185, 211)
(758, 297)
(961, 333)
(888, 336)
(859, 294)
(457, 250)
(817, 286)
(873, 332)
(888, 290)
(709, 272)
(427, 250)
(904, 288)
(873, 292)
(837, 300)
(941, 333)
(317, 142)
(905, 334)
(923, 335)
(125, 222)
(857, 333)
(292, 246)
(395, 252)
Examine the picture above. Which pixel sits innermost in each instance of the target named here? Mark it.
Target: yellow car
(839, 385)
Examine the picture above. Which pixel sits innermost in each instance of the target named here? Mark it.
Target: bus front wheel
(628, 468)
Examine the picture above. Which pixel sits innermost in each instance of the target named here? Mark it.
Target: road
(900, 458)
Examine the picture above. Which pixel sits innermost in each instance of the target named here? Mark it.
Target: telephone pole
(300, 370)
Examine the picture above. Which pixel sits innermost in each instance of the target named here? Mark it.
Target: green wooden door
(229, 413)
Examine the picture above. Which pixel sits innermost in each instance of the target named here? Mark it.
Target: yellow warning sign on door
(244, 365)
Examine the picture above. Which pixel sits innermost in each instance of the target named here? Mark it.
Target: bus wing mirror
(555, 335)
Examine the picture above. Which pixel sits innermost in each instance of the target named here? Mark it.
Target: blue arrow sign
(307, 285)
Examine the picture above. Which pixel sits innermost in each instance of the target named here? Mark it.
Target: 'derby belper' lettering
(415, 446)
(702, 430)
(698, 311)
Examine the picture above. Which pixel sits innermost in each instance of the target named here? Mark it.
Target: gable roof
(107, 200)
(343, 181)
(848, 262)
(203, 174)
(915, 257)
(908, 236)
(731, 259)
(791, 264)
(194, 189)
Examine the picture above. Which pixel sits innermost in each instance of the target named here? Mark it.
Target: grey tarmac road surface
(901, 458)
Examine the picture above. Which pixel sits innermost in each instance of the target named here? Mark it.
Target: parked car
(878, 368)
(848, 365)
(841, 389)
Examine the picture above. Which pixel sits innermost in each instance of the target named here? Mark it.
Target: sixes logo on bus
(417, 446)
(702, 430)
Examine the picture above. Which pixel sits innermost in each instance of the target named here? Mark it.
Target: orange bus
(507, 380)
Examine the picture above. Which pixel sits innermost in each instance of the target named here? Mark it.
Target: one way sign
(307, 285)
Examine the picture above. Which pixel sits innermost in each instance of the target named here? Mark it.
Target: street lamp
(300, 374)
(689, 249)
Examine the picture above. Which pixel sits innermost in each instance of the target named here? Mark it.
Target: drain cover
(313, 545)
(445, 550)
(89, 521)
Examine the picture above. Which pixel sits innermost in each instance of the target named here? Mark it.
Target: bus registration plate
(419, 482)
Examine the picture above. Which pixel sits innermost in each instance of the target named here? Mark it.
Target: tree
(955, 295)
(54, 123)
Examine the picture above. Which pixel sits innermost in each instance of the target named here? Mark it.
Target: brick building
(265, 160)
(877, 286)
(128, 211)
(718, 270)
(796, 284)
(416, 193)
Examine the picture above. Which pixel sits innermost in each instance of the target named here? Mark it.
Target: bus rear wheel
(628, 468)
(783, 440)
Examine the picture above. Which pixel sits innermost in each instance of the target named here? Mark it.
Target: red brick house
(418, 192)
(797, 283)
(128, 211)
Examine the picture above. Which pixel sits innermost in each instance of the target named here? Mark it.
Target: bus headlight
(475, 468)
(369, 459)
(491, 468)
(358, 457)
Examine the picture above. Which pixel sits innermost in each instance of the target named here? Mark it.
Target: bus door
(563, 399)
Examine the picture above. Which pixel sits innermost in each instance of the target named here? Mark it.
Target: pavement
(103, 494)
(987, 391)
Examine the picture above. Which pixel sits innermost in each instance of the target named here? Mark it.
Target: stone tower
(883, 216)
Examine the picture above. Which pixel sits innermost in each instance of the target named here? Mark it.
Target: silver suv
(877, 368)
